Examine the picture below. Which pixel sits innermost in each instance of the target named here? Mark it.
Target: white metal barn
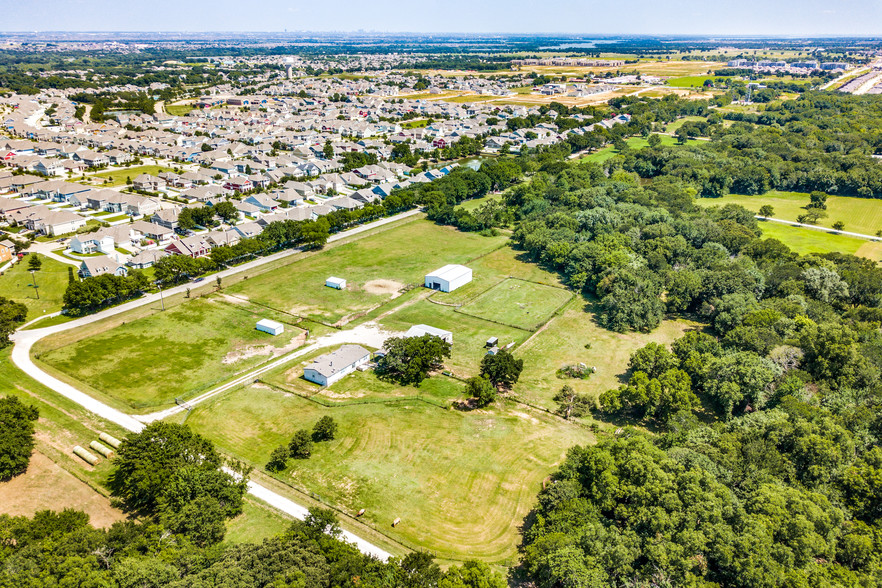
(449, 278)
(420, 330)
(338, 283)
(271, 327)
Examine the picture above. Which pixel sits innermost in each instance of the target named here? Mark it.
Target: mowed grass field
(518, 303)
(375, 268)
(118, 177)
(149, 362)
(18, 284)
(803, 240)
(461, 482)
(562, 342)
(860, 215)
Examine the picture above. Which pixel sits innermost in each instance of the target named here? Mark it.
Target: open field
(860, 215)
(375, 268)
(562, 342)
(518, 303)
(695, 81)
(804, 240)
(18, 284)
(118, 177)
(178, 109)
(602, 155)
(178, 353)
(460, 481)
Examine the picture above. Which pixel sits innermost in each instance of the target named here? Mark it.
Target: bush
(324, 430)
(278, 459)
(300, 446)
(482, 389)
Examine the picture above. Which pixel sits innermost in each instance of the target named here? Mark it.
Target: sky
(636, 17)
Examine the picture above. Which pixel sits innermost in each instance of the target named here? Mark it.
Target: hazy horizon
(750, 18)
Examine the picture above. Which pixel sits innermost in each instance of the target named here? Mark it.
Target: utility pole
(161, 301)
(36, 288)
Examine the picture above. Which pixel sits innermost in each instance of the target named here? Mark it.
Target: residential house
(96, 266)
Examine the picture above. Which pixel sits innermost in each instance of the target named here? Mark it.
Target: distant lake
(581, 45)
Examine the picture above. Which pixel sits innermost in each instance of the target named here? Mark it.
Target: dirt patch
(526, 417)
(384, 287)
(235, 299)
(305, 310)
(341, 395)
(250, 351)
(46, 485)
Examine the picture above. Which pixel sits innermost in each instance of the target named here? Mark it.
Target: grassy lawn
(562, 342)
(461, 482)
(695, 81)
(602, 155)
(518, 303)
(17, 284)
(469, 333)
(860, 215)
(62, 425)
(804, 240)
(375, 268)
(257, 522)
(178, 109)
(185, 350)
(118, 177)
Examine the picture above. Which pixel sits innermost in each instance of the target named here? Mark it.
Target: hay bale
(89, 458)
(102, 449)
(110, 440)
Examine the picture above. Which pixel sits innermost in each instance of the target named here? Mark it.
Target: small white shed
(338, 283)
(271, 327)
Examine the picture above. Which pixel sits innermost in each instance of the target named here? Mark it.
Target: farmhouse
(336, 283)
(327, 369)
(420, 330)
(449, 278)
(271, 327)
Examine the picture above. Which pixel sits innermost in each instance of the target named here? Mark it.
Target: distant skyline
(632, 17)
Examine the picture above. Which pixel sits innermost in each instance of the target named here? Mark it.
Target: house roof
(330, 363)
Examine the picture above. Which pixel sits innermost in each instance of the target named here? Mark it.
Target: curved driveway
(24, 341)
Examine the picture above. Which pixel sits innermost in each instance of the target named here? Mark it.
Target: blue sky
(659, 17)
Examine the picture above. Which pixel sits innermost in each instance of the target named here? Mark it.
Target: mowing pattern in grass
(518, 303)
(185, 350)
(461, 482)
(375, 267)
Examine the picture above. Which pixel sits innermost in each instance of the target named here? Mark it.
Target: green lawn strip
(460, 481)
(17, 284)
(178, 353)
(602, 155)
(562, 342)
(804, 240)
(860, 215)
